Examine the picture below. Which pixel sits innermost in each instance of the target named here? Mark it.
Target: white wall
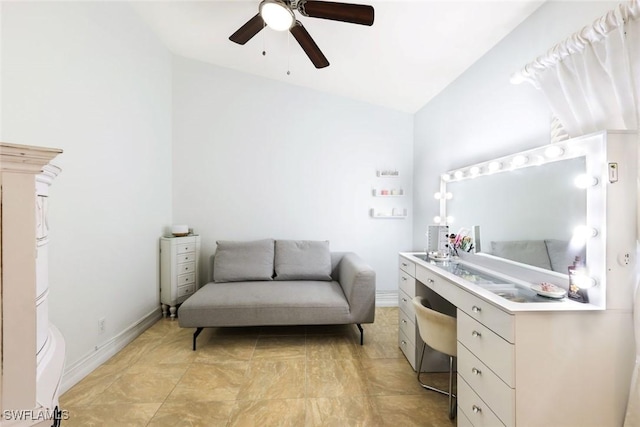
(89, 78)
(255, 158)
(481, 115)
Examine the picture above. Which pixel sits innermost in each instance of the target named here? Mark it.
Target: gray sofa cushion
(258, 303)
(562, 255)
(243, 261)
(532, 252)
(302, 260)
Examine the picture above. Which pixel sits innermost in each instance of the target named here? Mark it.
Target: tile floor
(267, 376)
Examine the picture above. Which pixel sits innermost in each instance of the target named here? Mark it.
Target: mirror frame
(593, 148)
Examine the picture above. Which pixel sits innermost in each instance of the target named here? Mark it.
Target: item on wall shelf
(394, 192)
(387, 173)
(577, 274)
(395, 213)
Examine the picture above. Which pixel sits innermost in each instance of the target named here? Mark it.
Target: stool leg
(452, 408)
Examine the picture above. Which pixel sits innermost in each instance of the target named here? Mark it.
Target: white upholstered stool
(438, 331)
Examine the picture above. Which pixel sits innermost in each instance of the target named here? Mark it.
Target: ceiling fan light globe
(277, 15)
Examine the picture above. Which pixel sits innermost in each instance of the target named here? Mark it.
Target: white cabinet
(32, 350)
(408, 336)
(179, 266)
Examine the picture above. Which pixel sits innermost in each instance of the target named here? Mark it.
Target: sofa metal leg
(361, 333)
(195, 335)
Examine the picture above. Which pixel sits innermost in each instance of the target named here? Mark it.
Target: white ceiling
(412, 52)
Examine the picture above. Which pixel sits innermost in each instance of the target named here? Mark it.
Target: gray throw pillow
(562, 255)
(302, 260)
(531, 252)
(243, 261)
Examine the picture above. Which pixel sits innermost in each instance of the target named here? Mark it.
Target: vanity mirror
(538, 209)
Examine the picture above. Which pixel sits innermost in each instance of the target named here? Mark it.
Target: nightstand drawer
(186, 267)
(185, 279)
(186, 257)
(186, 247)
(498, 395)
(186, 290)
(487, 346)
(407, 266)
(407, 283)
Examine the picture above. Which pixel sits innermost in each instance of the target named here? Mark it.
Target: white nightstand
(179, 259)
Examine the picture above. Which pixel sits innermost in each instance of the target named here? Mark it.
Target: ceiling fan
(278, 15)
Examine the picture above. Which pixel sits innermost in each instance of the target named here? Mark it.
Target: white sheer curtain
(592, 82)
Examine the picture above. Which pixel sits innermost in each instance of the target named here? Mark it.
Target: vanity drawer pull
(404, 264)
(476, 409)
(476, 334)
(404, 321)
(476, 371)
(404, 278)
(404, 299)
(430, 280)
(403, 342)
(476, 309)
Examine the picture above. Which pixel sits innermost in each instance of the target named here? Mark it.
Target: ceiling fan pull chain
(288, 53)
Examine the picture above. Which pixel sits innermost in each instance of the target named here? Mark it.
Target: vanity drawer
(489, 315)
(462, 420)
(185, 279)
(186, 247)
(474, 408)
(498, 395)
(407, 283)
(408, 348)
(408, 266)
(487, 346)
(407, 325)
(405, 304)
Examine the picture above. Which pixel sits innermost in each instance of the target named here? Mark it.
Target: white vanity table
(529, 361)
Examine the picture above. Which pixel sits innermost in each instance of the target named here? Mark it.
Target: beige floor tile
(226, 349)
(132, 352)
(274, 379)
(209, 382)
(121, 415)
(331, 347)
(341, 412)
(142, 384)
(193, 414)
(268, 413)
(390, 377)
(414, 410)
(381, 345)
(86, 391)
(335, 378)
(279, 347)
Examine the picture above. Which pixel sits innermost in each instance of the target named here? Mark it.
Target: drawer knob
(476, 309)
(476, 371)
(404, 278)
(404, 299)
(430, 281)
(476, 334)
(405, 265)
(476, 409)
(403, 342)
(404, 321)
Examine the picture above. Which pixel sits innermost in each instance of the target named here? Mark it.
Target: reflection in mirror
(526, 215)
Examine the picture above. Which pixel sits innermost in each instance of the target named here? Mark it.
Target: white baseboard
(386, 298)
(83, 367)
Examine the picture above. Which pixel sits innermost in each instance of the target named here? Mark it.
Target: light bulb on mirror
(474, 171)
(553, 151)
(446, 177)
(585, 181)
(494, 166)
(437, 219)
(458, 174)
(583, 232)
(519, 160)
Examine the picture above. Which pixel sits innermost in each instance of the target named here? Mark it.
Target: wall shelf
(395, 213)
(387, 173)
(384, 192)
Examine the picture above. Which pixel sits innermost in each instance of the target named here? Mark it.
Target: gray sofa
(284, 282)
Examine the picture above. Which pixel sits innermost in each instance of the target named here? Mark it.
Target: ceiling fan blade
(248, 30)
(309, 46)
(345, 12)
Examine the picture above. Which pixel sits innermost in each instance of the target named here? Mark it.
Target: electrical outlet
(102, 325)
(624, 258)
